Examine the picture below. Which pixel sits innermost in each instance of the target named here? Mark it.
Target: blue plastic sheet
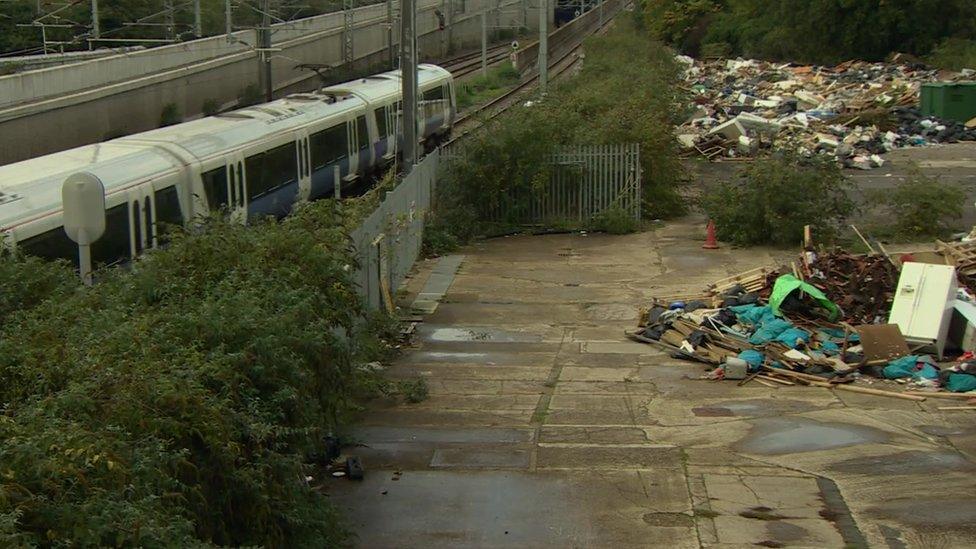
(961, 383)
(910, 366)
(753, 358)
(790, 336)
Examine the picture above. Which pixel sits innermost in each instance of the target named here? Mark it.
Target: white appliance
(923, 304)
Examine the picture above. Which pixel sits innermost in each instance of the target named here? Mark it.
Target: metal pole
(197, 19)
(484, 42)
(84, 264)
(228, 23)
(170, 19)
(543, 46)
(336, 182)
(450, 25)
(389, 32)
(265, 53)
(96, 26)
(408, 72)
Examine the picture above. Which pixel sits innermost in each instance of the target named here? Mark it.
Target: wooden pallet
(960, 254)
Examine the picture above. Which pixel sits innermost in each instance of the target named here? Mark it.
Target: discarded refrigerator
(923, 305)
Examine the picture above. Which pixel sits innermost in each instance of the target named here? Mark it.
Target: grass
(484, 88)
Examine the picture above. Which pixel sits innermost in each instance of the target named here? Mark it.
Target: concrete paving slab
(595, 456)
(545, 422)
(502, 509)
(480, 458)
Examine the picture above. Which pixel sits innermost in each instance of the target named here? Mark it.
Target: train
(251, 162)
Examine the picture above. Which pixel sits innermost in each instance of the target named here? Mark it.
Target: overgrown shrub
(28, 281)
(614, 220)
(954, 54)
(484, 88)
(813, 31)
(920, 207)
(625, 93)
(170, 115)
(174, 403)
(774, 197)
(211, 107)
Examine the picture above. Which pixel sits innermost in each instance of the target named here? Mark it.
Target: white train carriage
(254, 161)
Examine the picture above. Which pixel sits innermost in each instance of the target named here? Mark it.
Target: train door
(236, 189)
(304, 166)
(142, 219)
(352, 146)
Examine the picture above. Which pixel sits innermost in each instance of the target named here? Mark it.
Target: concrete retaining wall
(58, 108)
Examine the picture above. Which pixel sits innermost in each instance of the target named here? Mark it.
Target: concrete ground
(545, 427)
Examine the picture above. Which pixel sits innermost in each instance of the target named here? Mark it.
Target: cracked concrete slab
(545, 427)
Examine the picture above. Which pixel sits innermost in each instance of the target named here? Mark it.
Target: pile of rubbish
(833, 319)
(854, 112)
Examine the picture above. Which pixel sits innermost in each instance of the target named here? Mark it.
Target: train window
(53, 244)
(434, 94)
(328, 146)
(215, 185)
(137, 226)
(113, 246)
(271, 169)
(380, 116)
(363, 133)
(168, 212)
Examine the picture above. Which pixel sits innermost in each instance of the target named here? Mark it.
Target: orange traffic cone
(710, 242)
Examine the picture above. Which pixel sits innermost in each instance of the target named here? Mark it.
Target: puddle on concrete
(765, 407)
(952, 513)
(675, 520)
(944, 430)
(460, 357)
(712, 411)
(905, 463)
(836, 511)
(473, 334)
(794, 435)
(785, 532)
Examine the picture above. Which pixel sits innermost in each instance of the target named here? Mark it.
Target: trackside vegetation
(181, 400)
(943, 32)
(624, 93)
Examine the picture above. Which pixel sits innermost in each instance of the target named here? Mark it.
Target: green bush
(814, 31)
(921, 207)
(775, 197)
(438, 241)
(954, 54)
(614, 220)
(625, 93)
(170, 115)
(211, 107)
(174, 403)
(484, 88)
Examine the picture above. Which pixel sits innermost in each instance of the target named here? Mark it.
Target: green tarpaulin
(786, 284)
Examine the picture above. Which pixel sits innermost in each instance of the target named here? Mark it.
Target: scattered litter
(854, 112)
(833, 319)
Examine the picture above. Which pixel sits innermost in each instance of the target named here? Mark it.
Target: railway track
(476, 117)
(470, 63)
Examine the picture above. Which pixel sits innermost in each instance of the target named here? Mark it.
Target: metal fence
(585, 181)
(388, 242)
